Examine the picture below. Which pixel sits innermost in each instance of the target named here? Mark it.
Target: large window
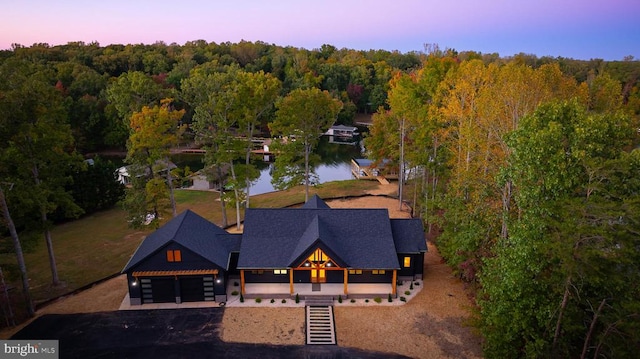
(407, 262)
(174, 255)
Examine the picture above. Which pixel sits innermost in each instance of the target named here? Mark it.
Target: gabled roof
(361, 238)
(194, 233)
(316, 235)
(315, 202)
(408, 235)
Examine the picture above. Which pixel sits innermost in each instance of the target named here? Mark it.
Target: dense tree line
(529, 168)
(462, 115)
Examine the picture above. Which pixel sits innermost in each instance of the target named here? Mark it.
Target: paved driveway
(159, 334)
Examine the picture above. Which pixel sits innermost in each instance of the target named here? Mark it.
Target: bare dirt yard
(433, 324)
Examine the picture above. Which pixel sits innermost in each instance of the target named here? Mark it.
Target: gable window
(407, 262)
(174, 255)
(378, 271)
(279, 271)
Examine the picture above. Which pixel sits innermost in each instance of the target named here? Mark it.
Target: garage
(191, 289)
(158, 290)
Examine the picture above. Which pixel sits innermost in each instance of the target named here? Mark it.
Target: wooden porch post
(394, 285)
(346, 281)
(291, 281)
(242, 282)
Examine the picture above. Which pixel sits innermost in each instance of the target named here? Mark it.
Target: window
(378, 271)
(259, 271)
(318, 256)
(355, 271)
(174, 255)
(279, 271)
(407, 262)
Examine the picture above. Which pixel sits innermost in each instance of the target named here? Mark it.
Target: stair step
(321, 329)
(318, 301)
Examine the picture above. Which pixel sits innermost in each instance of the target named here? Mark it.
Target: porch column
(346, 281)
(291, 281)
(394, 285)
(242, 282)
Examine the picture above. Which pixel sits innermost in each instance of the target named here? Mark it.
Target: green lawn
(99, 245)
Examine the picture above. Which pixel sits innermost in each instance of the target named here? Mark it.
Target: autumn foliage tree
(154, 131)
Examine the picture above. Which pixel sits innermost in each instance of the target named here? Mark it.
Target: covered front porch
(283, 290)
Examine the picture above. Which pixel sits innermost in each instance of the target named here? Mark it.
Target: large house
(309, 250)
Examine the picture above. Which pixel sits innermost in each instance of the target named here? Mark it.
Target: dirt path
(431, 325)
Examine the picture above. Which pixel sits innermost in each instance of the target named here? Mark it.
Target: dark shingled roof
(315, 202)
(408, 235)
(316, 234)
(194, 233)
(273, 238)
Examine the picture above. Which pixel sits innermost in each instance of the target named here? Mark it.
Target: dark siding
(134, 290)
(233, 263)
(302, 276)
(190, 261)
(419, 267)
(417, 264)
(368, 277)
(267, 276)
(335, 276)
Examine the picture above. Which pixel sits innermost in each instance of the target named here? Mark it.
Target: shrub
(241, 298)
(377, 300)
(407, 292)
(390, 299)
(403, 299)
(297, 298)
(258, 300)
(353, 300)
(339, 299)
(273, 301)
(411, 286)
(284, 301)
(235, 292)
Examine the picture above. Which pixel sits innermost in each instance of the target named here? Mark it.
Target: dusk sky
(580, 29)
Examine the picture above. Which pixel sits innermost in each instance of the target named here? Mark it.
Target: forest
(525, 170)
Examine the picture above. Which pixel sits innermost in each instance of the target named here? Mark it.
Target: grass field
(99, 245)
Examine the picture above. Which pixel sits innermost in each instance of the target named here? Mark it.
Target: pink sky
(607, 29)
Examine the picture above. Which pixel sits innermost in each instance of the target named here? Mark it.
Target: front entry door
(318, 276)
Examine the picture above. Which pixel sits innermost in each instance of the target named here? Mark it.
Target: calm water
(334, 164)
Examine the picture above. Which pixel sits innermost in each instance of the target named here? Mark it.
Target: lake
(334, 164)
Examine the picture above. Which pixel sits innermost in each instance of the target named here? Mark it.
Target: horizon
(596, 29)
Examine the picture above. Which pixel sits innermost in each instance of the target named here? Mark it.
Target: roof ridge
(302, 245)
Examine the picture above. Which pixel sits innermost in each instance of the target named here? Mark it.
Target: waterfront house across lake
(311, 250)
